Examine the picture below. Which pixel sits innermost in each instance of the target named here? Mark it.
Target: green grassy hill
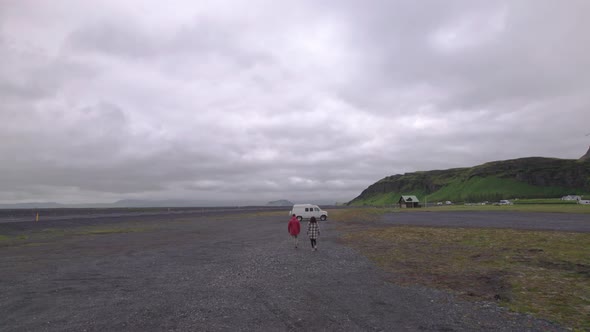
(533, 177)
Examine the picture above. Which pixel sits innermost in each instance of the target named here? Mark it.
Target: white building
(571, 198)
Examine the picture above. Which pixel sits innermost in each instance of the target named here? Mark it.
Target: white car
(306, 211)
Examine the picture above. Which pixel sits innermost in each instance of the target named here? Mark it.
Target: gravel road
(216, 273)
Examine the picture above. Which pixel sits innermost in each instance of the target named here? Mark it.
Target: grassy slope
(382, 199)
(476, 189)
(533, 177)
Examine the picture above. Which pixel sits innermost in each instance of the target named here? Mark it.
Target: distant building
(408, 202)
(584, 201)
(571, 198)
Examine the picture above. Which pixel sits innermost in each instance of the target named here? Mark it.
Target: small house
(408, 202)
(571, 198)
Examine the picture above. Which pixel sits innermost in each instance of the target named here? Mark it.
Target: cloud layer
(258, 100)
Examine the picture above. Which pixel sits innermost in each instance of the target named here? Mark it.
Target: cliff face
(430, 181)
(507, 177)
(585, 157)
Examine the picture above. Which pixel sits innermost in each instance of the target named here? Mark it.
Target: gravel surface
(567, 222)
(217, 273)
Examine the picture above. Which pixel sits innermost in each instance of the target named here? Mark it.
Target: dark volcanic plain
(215, 271)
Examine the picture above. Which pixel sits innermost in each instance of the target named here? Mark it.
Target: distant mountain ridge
(136, 203)
(32, 205)
(125, 203)
(280, 202)
(533, 177)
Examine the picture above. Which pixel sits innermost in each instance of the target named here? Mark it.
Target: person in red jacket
(294, 228)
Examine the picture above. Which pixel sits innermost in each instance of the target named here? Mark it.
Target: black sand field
(219, 271)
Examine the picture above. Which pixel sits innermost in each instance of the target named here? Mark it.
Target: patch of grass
(51, 234)
(543, 273)
(35, 244)
(105, 231)
(6, 240)
(53, 231)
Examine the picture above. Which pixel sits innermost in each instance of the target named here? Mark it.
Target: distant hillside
(32, 205)
(533, 177)
(125, 203)
(281, 202)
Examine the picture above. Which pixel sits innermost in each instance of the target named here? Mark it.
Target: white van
(306, 211)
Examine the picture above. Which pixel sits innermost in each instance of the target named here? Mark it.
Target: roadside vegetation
(543, 273)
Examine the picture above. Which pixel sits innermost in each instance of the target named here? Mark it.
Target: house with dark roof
(571, 198)
(409, 201)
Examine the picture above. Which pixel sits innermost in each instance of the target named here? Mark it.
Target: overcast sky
(252, 101)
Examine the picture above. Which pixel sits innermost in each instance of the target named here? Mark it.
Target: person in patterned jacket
(313, 231)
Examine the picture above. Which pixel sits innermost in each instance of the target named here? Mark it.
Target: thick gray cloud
(260, 100)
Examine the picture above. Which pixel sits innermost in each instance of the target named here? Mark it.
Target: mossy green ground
(539, 272)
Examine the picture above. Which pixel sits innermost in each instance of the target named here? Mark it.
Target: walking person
(313, 231)
(294, 229)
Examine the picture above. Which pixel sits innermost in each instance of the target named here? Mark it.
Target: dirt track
(215, 272)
